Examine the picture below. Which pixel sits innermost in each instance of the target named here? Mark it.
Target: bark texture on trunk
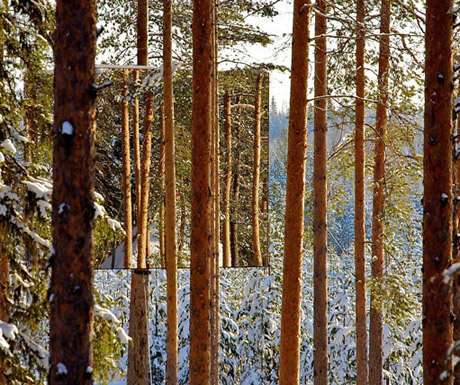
(236, 193)
(360, 268)
(170, 220)
(295, 187)
(257, 261)
(138, 354)
(456, 240)
(136, 150)
(71, 314)
(126, 170)
(201, 237)
(437, 200)
(228, 179)
(216, 237)
(162, 189)
(377, 265)
(320, 342)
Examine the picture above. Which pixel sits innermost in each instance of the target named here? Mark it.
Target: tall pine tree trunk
(295, 187)
(162, 189)
(126, 170)
(360, 268)
(236, 194)
(376, 319)
(215, 268)
(71, 314)
(321, 358)
(257, 261)
(201, 241)
(437, 200)
(264, 211)
(138, 353)
(170, 220)
(136, 150)
(228, 179)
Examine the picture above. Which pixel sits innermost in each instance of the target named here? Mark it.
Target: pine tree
(295, 187)
(257, 261)
(73, 194)
(228, 179)
(321, 359)
(437, 199)
(126, 169)
(201, 238)
(235, 193)
(360, 270)
(138, 353)
(170, 219)
(376, 319)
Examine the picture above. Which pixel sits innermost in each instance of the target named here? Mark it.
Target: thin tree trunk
(136, 151)
(71, 314)
(162, 189)
(360, 268)
(437, 200)
(171, 256)
(265, 189)
(145, 185)
(295, 187)
(4, 273)
(200, 280)
(126, 169)
(257, 261)
(30, 119)
(138, 354)
(30, 254)
(321, 358)
(183, 223)
(376, 320)
(4, 290)
(142, 59)
(236, 194)
(228, 179)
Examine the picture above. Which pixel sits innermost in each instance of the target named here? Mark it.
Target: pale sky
(280, 52)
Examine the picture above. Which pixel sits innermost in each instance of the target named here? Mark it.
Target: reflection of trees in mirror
(109, 167)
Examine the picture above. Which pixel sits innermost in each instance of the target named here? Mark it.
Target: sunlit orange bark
(170, 219)
(257, 258)
(295, 187)
(320, 341)
(201, 237)
(228, 179)
(437, 199)
(360, 269)
(126, 171)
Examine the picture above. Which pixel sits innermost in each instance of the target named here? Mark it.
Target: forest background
(250, 298)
